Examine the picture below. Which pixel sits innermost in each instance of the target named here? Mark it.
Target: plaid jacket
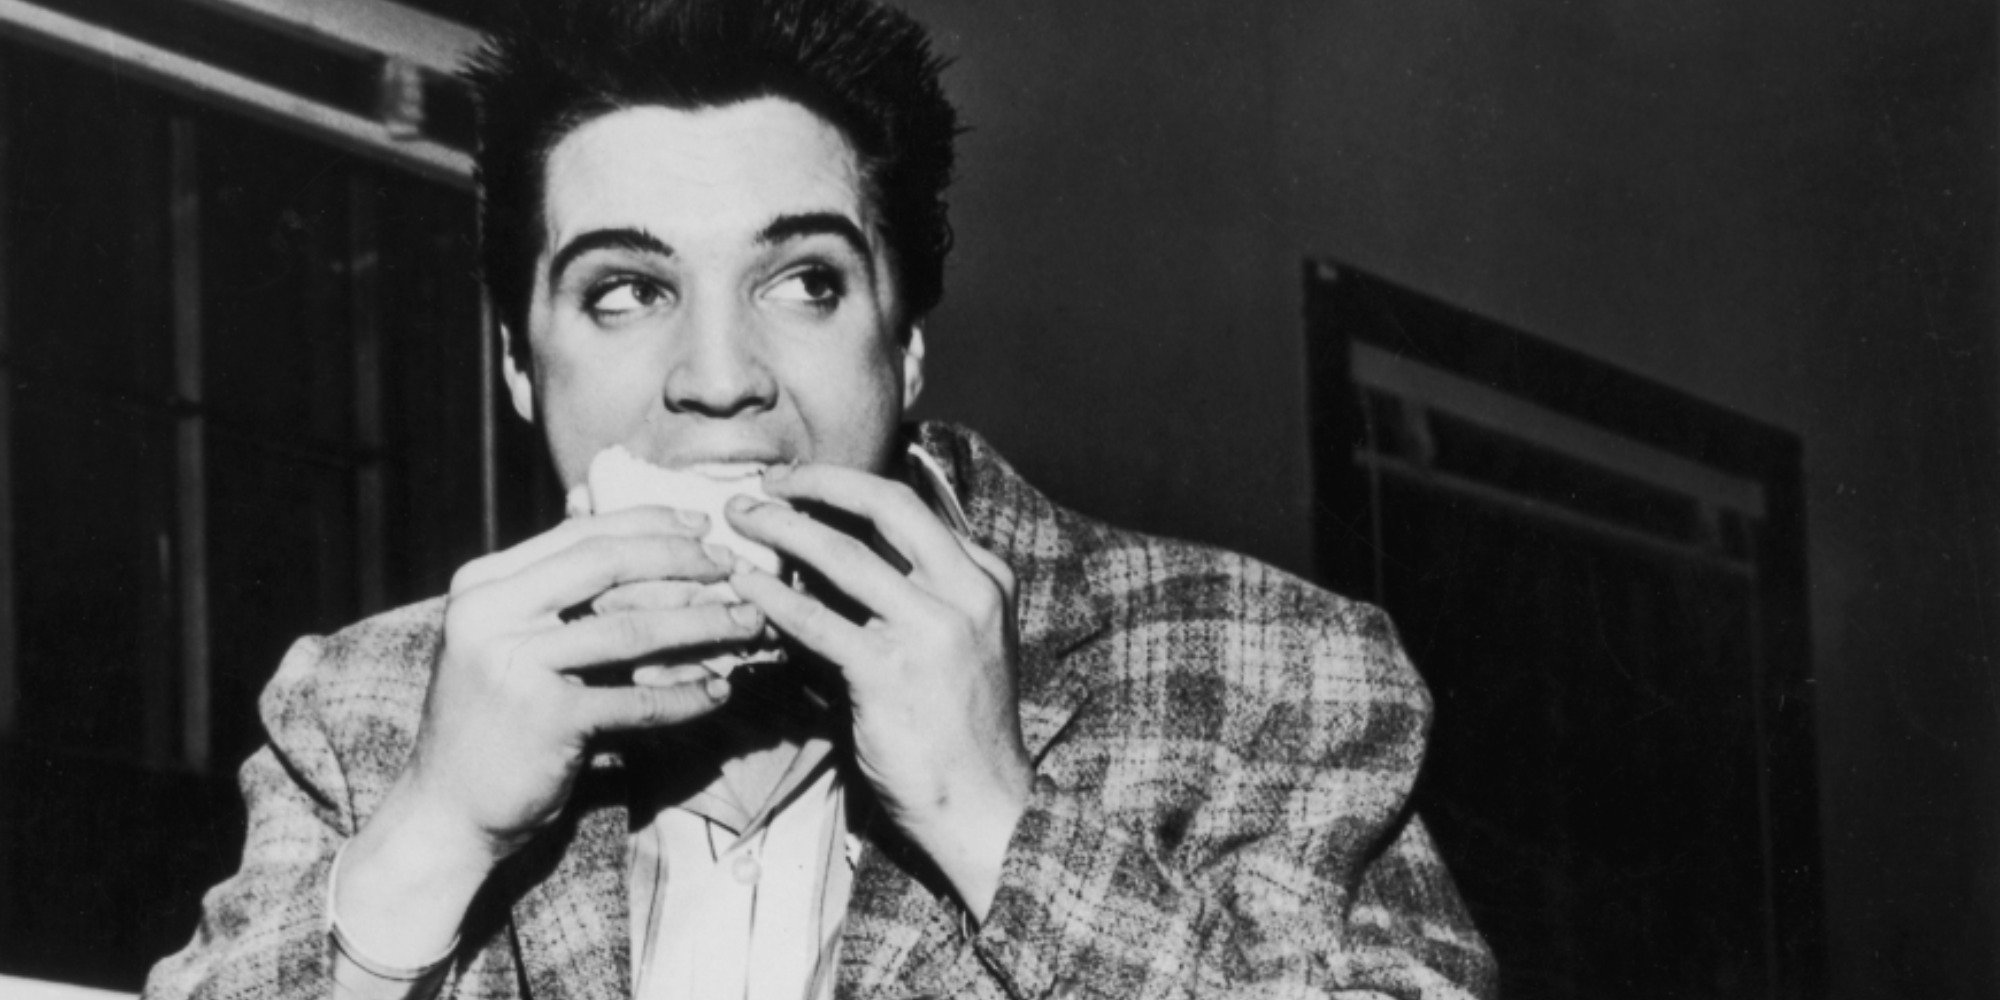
(1224, 755)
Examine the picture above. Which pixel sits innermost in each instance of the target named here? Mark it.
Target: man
(1061, 760)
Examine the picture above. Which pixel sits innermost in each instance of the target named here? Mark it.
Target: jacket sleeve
(263, 931)
(1289, 865)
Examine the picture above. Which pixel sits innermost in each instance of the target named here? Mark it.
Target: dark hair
(553, 65)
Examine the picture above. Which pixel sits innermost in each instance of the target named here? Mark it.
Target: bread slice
(618, 480)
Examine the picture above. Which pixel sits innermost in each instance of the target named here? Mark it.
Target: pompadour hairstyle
(553, 65)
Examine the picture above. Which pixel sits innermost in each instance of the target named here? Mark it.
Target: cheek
(587, 404)
(851, 406)
(581, 375)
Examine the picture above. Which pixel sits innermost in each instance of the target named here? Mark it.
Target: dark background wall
(1787, 208)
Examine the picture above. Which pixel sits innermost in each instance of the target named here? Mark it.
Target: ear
(520, 385)
(913, 365)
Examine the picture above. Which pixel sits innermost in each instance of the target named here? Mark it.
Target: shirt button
(745, 869)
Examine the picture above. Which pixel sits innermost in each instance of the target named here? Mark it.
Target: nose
(716, 365)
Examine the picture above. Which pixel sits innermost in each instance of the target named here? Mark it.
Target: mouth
(718, 459)
(727, 469)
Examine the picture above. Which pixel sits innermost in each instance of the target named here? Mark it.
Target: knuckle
(669, 594)
(901, 495)
(658, 706)
(635, 632)
(848, 548)
(458, 632)
(474, 658)
(725, 619)
(626, 558)
(673, 705)
(622, 598)
(710, 621)
(472, 574)
(464, 617)
(642, 596)
(818, 622)
(600, 547)
(687, 547)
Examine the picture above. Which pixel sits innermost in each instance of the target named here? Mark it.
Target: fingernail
(692, 518)
(777, 471)
(747, 615)
(744, 503)
(716, 688)
(719, 554)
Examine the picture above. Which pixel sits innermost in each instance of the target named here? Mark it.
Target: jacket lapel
(572, 922)
(1062, 611)
(902, 940)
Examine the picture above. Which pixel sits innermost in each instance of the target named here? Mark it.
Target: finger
(596, 564)
(842, 559)
(619, 709)
(661, 675)
(719, 592)
(650, 595)
(636, 635)
(809, 622)
(624, 523)
(897, 512)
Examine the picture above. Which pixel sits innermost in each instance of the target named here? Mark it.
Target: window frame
(415, 54)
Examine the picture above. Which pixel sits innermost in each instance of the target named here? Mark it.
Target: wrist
(973, 833)
(358, 973)
(406, 880)
(426, 838)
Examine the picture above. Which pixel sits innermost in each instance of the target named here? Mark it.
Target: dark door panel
(1601, 580)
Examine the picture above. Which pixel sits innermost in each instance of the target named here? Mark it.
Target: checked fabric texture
(1224, 758)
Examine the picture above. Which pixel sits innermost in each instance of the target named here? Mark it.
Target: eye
(818, 286)
(621, 297)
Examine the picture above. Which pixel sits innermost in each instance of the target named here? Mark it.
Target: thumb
(619, 709)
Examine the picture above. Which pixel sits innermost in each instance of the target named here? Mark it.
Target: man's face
(713, 288)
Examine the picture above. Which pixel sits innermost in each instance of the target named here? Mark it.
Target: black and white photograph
(1040, 500)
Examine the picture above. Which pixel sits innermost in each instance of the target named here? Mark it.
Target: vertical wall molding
(489, 424)
(364, 291)
(10, 682)
(191, 533)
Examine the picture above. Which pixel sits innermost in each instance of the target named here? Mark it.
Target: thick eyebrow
(804, 224)
(637, 240)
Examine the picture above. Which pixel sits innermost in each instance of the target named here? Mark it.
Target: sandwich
(618, 480)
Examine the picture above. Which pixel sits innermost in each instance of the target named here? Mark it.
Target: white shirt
(731, 902)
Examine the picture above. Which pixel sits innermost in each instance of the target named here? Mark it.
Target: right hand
(506, 722)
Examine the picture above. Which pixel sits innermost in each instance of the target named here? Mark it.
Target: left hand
(930, 674)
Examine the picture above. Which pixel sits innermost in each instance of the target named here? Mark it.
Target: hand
(930, 673)
(507, 721)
